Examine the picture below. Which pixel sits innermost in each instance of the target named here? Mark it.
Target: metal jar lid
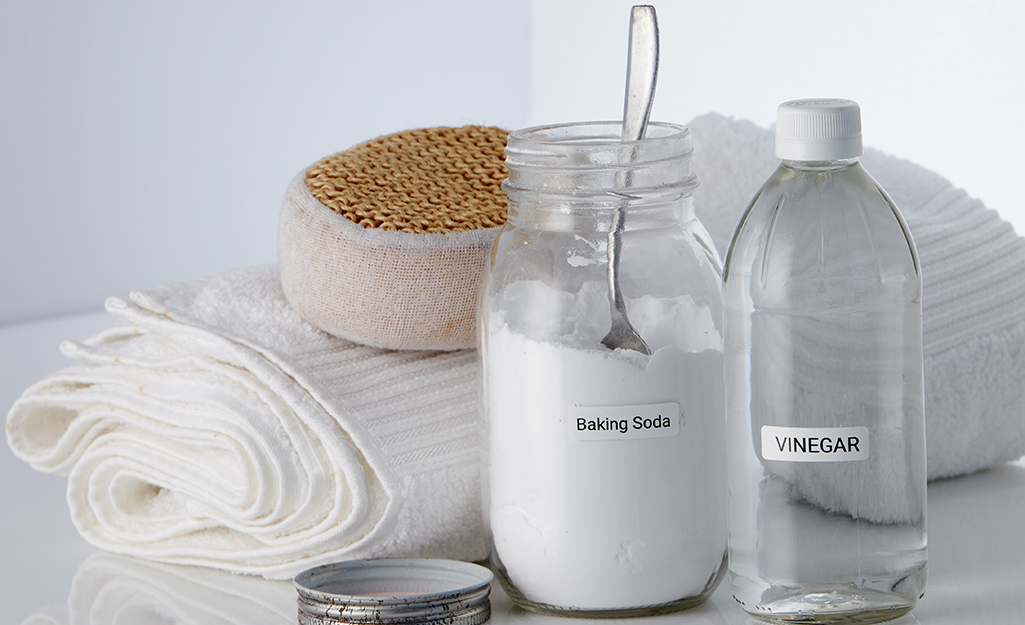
(395, 590)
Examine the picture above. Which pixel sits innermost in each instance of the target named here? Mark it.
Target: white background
(940, 82)
(146, 142)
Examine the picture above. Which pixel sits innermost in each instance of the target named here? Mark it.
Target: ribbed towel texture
(213, 426)
(973, 271)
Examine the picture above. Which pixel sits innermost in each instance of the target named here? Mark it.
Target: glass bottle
(604, 471)
(825, 426)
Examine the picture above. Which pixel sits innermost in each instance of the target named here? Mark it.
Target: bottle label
(614, 423)
(815, 444)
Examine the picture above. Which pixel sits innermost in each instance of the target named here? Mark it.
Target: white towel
(973, 271)
(213, 426)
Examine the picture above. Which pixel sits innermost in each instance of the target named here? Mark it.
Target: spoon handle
(641, 72)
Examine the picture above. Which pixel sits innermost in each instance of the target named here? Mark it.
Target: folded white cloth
(213, 426)
(973, 271)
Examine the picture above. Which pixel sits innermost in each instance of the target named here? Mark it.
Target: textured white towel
(213, 426)
(973, 271)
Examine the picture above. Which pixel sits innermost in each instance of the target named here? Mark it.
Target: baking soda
(607, 481)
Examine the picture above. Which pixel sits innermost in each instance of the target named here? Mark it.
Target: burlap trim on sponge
(383, 244)
(378, 287)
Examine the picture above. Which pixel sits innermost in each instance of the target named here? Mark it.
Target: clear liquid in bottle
(825, 407)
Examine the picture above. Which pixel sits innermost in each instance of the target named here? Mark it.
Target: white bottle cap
(818, 130)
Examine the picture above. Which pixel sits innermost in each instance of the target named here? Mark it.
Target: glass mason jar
(825, 402)
(604, 471)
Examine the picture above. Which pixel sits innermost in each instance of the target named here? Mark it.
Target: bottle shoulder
(837, 189)
(830, 226)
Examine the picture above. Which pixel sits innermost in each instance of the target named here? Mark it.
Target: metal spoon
(641, 72)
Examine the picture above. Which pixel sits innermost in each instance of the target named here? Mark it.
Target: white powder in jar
(600, 496)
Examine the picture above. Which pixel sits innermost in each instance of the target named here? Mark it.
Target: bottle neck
(821, 166)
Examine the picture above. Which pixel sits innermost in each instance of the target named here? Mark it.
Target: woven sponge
(384, 243)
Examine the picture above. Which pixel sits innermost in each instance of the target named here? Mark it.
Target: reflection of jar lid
(395, 590)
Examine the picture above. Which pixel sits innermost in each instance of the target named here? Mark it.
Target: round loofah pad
(384, 243)
(423, 180)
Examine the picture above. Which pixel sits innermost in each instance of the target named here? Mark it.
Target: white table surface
(49, 574)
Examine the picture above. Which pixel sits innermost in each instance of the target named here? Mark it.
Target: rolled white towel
(973, 272)
(213, 426)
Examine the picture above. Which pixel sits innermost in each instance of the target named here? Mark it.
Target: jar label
(613, 423)
(814, 444)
